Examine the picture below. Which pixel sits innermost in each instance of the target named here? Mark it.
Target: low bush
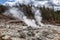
(49, 15)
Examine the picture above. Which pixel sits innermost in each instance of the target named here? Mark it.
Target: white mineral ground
(28, 30)
(16, 31)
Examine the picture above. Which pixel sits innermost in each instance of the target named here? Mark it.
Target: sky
(3, 1)
(27, 1)
(35, 3)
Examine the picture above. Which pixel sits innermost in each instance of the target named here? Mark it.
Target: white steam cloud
(37, 14)
(36, 3)
(19, 15)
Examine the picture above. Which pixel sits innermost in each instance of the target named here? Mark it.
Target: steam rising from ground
(18, 14)
(37, 14)
(15, 13)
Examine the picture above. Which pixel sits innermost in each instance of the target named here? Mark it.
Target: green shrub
(50, 15)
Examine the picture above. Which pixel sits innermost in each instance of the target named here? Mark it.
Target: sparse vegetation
(2, 8)
(27, 10)
(49, 15)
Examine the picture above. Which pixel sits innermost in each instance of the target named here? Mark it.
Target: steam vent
(29, 19)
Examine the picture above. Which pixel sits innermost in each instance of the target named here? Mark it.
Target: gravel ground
(18, 31)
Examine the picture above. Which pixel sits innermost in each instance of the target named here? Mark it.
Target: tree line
(48, 15)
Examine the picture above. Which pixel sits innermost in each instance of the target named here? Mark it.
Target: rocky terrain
(19, 31)
(11, 29)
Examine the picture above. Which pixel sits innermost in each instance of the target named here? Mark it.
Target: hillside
(11, 29)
